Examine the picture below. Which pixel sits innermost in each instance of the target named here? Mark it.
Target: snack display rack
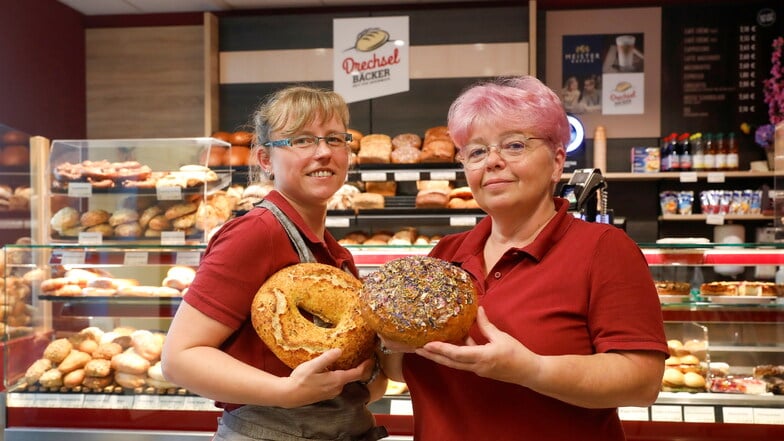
(741, 335)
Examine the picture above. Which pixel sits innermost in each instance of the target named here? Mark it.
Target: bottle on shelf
(600, 149)
(666, 155)
(684, 152)
(721, 152)
(709, 159)
(676, 153)
(733, 159)
(698, 152)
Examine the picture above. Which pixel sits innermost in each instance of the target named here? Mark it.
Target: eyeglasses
(307, 142)
(473, 156)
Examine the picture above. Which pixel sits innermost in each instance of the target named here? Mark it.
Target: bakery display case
(154, 190)
(15, 191)
(90, 362)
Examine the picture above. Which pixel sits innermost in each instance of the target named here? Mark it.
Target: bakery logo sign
(370, 57)
(623, 93)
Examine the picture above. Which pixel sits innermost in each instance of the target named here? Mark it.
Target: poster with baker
(370, 57)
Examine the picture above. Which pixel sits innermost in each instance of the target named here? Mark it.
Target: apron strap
(305, 255)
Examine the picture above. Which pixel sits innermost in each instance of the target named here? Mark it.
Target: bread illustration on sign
(371, 39)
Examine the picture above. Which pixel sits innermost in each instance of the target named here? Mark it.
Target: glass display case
(740, 336)
(154, 190)
(15, 191)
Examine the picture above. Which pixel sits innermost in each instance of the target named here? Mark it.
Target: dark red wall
(42, 69)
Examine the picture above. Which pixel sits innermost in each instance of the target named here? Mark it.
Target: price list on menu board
(714, 65)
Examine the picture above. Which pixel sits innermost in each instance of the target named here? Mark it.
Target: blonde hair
(290, 109)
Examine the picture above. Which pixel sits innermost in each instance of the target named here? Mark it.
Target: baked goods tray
(223, 181)
(417, 166)
(114, 299)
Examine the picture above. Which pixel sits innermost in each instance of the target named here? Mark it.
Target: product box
(645, 159)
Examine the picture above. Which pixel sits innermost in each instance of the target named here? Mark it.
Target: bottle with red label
(684, 152)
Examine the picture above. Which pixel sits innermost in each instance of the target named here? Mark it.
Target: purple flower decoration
(774, 86)
(764, 135)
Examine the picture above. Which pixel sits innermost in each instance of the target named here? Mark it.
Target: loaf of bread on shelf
(375, 149)
(384, 188)
(367, 201)
(432, 199)
(406, 140)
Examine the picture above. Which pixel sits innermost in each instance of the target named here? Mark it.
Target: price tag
(188, 258)
(47, 400)
(72, 258)
(135, 258)
(462, 221)
(699, 414)
(96, 401)
(337, 221)
(688, 177)
(173, 193)
(717, 177)
(120, 401)
(201, 403)
(400, 407)
(20, 400)
(666, 413)
(374, 176)
(633, 413)
(90, 238)
(765, 415)
(443, 175)
(144, 401)
(172, 238)
(738, 415)
(74, 401)
(714, 219)
(170, 402)
(80, 189)
(406, 176)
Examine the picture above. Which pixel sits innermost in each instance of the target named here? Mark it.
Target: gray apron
(343, 418)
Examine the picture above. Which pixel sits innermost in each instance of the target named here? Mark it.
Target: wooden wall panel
(145, 82)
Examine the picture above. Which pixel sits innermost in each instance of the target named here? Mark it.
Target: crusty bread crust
(324, 291)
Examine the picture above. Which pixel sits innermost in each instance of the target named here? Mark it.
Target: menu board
(714, 65)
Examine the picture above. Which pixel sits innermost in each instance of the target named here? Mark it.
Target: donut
(418, 299)
(325, 292)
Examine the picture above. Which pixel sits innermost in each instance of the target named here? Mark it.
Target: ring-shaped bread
(326, 293)
(419, 299)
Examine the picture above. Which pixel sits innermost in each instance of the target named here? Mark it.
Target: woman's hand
(312, 381)
(502, 358)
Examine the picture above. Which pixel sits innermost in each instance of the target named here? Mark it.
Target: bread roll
(405, 155)
(57, 350)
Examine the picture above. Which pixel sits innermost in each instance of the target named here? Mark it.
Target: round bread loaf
(329, 295)
(418, 299)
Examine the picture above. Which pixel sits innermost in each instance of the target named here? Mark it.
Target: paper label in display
(80, 189)
(766, 415)
(666, 413)
(401, 407)
(699, 414)
(633, 413)
(189, 258)
(135, 258)
(744, 415)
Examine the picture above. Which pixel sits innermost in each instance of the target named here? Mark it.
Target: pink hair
(523, 102)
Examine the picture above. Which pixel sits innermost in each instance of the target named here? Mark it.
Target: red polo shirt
(579, 288)
(243, 254)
